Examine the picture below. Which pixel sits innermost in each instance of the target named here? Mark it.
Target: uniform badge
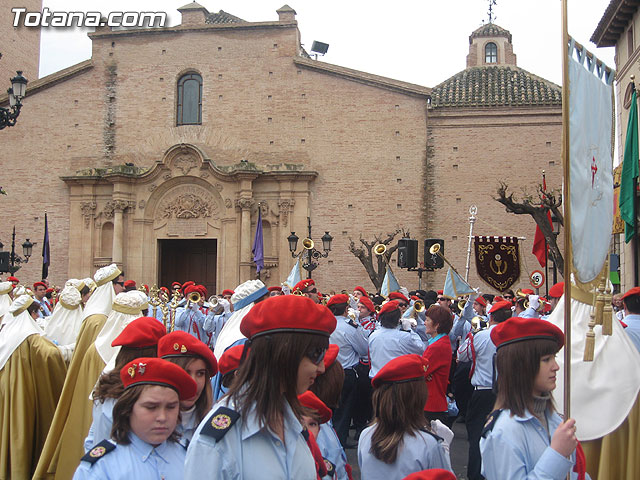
(176, 347)
(491, 422)
(132, 370)
(221, 422)
(331, 468)
(142, 368)
(97, 452)
(183, 349)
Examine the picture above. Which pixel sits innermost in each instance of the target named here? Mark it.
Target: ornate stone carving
(152, 187)
(185, 163)
(218, 187)
(108, 210)
(88, 210)
(142, 204)
(245, 203)
(286, 207)
(167, 176)
(228, 203)
(264, 207)
(120, 205)
(187, 202)
(204, 175)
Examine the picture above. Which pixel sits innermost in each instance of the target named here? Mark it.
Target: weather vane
(492, 16)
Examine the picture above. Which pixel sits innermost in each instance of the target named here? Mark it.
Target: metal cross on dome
(492, 17)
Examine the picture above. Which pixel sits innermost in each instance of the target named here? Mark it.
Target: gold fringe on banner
(590, 342)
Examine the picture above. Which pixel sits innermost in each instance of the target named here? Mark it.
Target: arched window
(490, 53)
(189, 100)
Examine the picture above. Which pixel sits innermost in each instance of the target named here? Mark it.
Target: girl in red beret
(198, 361)
(525, 437)
(255, 431)
(399, 441)
(145, 416)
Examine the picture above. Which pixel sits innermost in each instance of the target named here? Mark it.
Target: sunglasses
(317, 355)
(315, 290)
(510, 297)
(442, 299)
(402, 305)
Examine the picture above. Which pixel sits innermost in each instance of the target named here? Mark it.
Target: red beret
(146, 287)
(155, 371)
(401, 369)
(389, 307)
(141, 332)
(633, 291)
(13, 279)
(518, 329)
(431, 474)
(337, 299)
(165, 290)
(498, 298)
(230, 359)
(202, 290)
(366, 301)
(330, 355)
(227, 292)
(302, 284)
(191, 289)
(310, 400)
(440, 292)
(274, 289)
(187, 284)
(49, 290)
(183, 344)
(361, 290)
(398, 296)
(481, 300)
(176, 284)
(39, 284)
(527, 291)
(129, 283)
(287, 313)
(500, 306)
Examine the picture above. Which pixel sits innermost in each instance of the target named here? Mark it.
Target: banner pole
(567, 212)
(473, 210)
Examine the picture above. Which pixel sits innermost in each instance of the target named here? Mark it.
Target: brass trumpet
(461, 304)
(298, 292)
(476, 323)
(380, 249)
(213, 301)
(307, 244)
(194, 297)
(521, 294)
(418, 306)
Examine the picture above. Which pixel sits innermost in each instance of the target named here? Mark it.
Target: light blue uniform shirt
(414, 454)
(249, 452)
(213, 324)
(462, 324)
(190, 321)
(485, 350)
(101, 425)
(519, 448)
(385, 344)
(331, 449)
(351, 340)
(633, 329)
(138, 460)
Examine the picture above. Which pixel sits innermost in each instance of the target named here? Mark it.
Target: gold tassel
(599, 303)
(590, 342)
(607, 324)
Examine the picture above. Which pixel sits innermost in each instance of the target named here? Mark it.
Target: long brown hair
(109, 384)
(270, 373)
(518, 365)
(122, 415)
(397, 410)
(205, 400)
(328, 386)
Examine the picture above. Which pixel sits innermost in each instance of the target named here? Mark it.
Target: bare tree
(537, 206)
(375, 265)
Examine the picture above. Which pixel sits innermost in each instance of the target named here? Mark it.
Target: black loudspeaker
(4, 261)
(407, 253)
(433, 260)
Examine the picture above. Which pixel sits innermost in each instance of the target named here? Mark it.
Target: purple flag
(258, 244)
(46, 260)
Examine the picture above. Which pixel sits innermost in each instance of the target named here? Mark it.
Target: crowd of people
(107, 380)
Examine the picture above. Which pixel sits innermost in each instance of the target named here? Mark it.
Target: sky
(417, 41)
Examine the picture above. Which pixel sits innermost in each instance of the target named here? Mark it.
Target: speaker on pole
(407, 253)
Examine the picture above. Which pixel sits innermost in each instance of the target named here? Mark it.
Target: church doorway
(182, 260)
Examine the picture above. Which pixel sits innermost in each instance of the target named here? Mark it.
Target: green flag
(627, 199)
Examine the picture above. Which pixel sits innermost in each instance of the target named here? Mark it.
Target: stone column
(245, 204)
(118, 231)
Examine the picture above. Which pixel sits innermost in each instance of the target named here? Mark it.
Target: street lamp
(8, 116)
(310, 255)
(12, 260)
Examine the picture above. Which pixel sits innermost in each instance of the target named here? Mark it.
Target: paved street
(458, 451)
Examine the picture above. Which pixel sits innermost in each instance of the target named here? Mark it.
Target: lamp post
(15, 260)
(310, 255)
(8, 116)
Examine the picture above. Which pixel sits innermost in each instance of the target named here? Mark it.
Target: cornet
(307, 244)
(194, 297)
(380, 249)
(418, 306)
(213, 301)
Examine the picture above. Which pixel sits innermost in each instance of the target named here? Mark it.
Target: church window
(189, 100)
(490, 53)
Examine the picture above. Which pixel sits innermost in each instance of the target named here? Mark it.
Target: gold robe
(30, 385)
(616, 456)
(64, 445)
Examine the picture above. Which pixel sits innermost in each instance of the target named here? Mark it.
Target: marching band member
(32, 372)
(289, 337)
(216, 319)
(275, 291)
(555, 293)
(318, 414)
(189, 318)
(39, 291)
(308, 288)
(360, 292)
(198, 361)
(480, 349)
(399, 441)
(438, 359)
(145, 417)
(367, 314)
(138, 339)
(525, 437)
(352, 340)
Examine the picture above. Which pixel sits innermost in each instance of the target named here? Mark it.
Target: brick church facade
(158, 151)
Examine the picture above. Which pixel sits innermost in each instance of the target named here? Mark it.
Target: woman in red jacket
(438, 356)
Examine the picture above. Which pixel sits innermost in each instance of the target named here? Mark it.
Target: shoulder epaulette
(352, 323)
(305, 434)
(220, 422)
(491, 422)
(99, 451)
(438, 439)
(331, 468)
